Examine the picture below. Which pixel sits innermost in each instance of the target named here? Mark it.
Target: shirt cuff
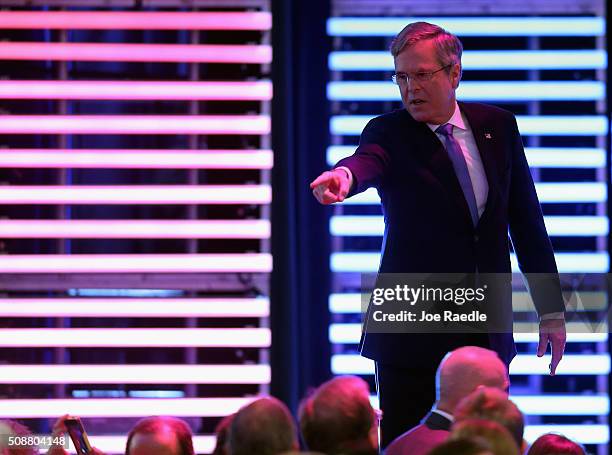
(348, 173)
(548, 316)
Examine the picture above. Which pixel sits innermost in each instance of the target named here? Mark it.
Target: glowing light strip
(135, 90)
(96, 338)
(527, 364)
(135, 374)
(479, 60)
(563, 404)
(136, 194)
(372, 225)
(128, 20)
(582, 433)
(367, 262)
(115, 444)
(471, 26)
(135, 229)
(136, 263)
(538, 125)
(555, 157)
(547, 193)
(475, 91)
(135, 307)
(350, 303)
(350, 333)
(124, 52)
(135, 124)
(122, 407)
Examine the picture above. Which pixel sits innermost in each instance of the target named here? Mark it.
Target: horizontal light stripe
(537, 125)
(134, 124)
(135, 229)
(521, 365)
(471, 26)
(372, 225)
(547, 193)
(136, 159)
(128, 20)
(346, 303)
(136, 194)
(122, 407)
(135, 90)
(135, 307)
(563, 404)
(479, 60)
(115, 444)
(553, 157)
(476, 91)
(350, 333)
(136, 263)
(135, 374)
(124, 52)
(124, 338)
(365, 262)
(582, 433)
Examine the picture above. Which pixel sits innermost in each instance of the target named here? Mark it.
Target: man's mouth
(416, 102)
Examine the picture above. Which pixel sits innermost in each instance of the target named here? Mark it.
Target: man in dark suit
(460, 373)
(453, 179)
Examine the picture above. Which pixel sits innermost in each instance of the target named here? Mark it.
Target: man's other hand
(552, 331)
(331, 186)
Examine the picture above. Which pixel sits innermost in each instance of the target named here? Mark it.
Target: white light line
(121, 407)
(135, 194)
(545, 157)
(373, 225)
(136, 159)
(115, 444)
(135, 374)
(563, 404)
(479, 60)
(475, 91)
(536, 125)
(136, 229)
(136, 263)
(471, 26)
(135, 307)
(183, 337)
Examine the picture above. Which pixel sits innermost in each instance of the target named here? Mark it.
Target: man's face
(431, 101)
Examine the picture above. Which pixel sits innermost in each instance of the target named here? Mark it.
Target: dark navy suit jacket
(428, 228)
(420, 440)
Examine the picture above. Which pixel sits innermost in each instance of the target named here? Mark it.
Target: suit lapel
(435, 421)
(483, 134)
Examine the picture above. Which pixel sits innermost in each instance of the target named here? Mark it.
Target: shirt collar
(455, 120)
(443, 414)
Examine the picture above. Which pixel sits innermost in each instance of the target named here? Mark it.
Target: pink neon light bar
(135, 307)
(124, 338)
(122, 407)
(135, 374)
(136, 194)
(124, 52)
(116, 20)
(145, 158)
(134, 124)
(136, 263)
(135, 90)
(135, 229)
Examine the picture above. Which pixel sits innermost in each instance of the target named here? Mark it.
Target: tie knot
(445, 130)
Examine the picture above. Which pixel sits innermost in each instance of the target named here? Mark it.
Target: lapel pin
(488, 135)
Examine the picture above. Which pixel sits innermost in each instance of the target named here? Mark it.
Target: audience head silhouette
(160, 436)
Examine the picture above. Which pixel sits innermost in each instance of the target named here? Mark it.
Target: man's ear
(455, 75)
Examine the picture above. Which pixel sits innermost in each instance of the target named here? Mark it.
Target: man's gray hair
(448, 47)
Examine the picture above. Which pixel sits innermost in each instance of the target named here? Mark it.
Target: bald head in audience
(264, 427)
(339, 419)
(160, 436)
(465, 369)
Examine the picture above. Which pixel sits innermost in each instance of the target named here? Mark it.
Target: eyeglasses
(422, 76)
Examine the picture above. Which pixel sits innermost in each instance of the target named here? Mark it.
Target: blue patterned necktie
(461, 170)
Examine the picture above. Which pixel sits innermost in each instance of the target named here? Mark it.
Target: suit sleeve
(530, 240)
(370, 162)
